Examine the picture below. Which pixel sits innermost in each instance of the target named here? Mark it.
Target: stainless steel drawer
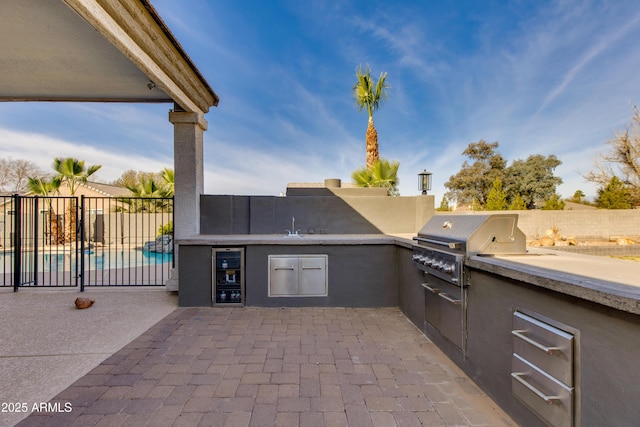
(545, 346)
(543, 394)
(445, 310)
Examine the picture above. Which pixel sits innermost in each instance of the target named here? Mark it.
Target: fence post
(36, 217)
(17, 242)
(80, 214)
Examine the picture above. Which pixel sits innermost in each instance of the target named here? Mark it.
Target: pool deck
(136, 359)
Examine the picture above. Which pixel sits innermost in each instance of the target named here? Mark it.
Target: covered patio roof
(95, 51)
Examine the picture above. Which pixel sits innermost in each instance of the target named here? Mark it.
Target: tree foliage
(497, 198)
(382, 174)
(533, 179)
(621, 161)
(72, 172)
(147, 185)
(553, 203)
(524, 183)
(517, 204)
(614, 196)
(474, 181)
(444, 205)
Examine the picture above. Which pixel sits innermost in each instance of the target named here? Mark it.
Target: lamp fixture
(151, 85)
(424, 181)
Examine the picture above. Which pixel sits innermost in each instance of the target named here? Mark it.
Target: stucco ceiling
(50, 53)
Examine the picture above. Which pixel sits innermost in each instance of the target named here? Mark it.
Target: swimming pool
(93, 260)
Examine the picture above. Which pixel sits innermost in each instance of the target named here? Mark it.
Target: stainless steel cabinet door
(283, 276)
(312, 276)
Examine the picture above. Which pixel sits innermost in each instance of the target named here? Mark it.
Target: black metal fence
(85, 241)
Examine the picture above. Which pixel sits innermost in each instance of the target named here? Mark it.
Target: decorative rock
(84, 303)
(547, 241)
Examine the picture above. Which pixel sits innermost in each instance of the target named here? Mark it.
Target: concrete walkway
(46, 344)
(265, 367)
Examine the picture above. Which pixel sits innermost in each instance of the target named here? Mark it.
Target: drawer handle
(549, 400)
(431, 288)
(536, 344)
(446, 297)
(312, 268)
(284, 268)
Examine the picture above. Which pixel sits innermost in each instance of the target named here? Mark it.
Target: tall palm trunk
(56, 235)
(70, 221)
(372, 144)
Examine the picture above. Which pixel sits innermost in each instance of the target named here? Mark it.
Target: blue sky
(543, 77)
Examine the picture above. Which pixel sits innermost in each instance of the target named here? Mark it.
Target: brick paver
(246, 366)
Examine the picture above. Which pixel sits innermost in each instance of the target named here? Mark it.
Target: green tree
(532, 179)
(444, 205)
(616, 195)
(497, 198)
(369, 95)
(382, 174)
(474, 181)
(517, 204)
(622, 161)
(72, 172)
(577, 197)
(554, 203)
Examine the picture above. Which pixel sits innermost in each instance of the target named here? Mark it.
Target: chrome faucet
(293, 232)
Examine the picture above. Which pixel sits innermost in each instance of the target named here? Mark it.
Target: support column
(188, 130)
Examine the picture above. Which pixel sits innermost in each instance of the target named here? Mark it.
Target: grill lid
(487, 234)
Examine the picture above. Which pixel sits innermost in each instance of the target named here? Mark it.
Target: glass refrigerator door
(228, 276)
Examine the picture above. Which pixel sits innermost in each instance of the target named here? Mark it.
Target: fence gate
(85, 241)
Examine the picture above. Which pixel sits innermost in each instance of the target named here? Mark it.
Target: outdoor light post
(424, 182)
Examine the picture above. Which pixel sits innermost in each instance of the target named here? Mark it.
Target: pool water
(94, 260)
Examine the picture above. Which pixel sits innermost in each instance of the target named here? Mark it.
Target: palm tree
(382, 174)
(148, 188)
(46, 189)
(368, 95)
(72, 172)
(169, 178)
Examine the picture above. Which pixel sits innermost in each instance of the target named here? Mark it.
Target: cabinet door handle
(431, 288)
(284, 268)
(446, 297)
(549, 400)
(536, 344)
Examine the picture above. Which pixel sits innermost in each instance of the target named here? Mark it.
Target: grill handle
(450, 245)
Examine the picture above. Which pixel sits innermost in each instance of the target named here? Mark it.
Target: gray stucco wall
(327, 214)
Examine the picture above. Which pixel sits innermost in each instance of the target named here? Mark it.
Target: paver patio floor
(247, 366)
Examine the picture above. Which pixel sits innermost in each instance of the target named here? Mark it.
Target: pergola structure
(110, 51)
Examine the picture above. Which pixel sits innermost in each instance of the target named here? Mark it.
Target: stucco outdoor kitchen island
(361, 270)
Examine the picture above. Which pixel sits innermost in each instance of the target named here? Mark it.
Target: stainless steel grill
(442, 246)
(446, 240)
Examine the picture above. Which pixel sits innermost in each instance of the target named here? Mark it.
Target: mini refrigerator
(228, 276)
